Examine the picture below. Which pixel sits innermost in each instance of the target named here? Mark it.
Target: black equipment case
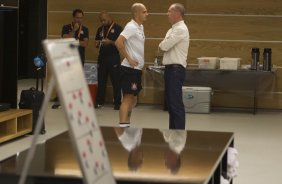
(33, 99)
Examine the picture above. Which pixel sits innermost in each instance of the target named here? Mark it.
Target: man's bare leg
(126, 108)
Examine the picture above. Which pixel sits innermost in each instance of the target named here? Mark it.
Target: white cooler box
(196, 99)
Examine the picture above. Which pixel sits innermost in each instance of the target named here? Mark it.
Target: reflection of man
(130, 139)
(172, 161)
(108, 60)
(176, 140)
(175, 47)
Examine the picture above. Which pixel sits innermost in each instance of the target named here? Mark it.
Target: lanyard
(108, 30)
(80, 27)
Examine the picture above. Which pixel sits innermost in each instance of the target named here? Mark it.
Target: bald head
(104, 13)
(139, 12)
(136, 7)
(179, 7)
(176, 13)
(105, 18)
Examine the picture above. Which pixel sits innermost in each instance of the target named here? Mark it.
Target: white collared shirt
(134, 44)
(176, 139)
(175, 45)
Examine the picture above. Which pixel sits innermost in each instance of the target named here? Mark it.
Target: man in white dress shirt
(175, 47)
(130, 44)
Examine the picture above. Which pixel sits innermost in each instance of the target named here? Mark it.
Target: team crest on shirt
(113, 30)
(134, 86)
(81, 32)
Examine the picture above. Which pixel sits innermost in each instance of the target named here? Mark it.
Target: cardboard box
(229, 63)
(208, 62)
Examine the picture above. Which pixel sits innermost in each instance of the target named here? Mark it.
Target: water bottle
(37, 61)
(255, 59)
(267, 59)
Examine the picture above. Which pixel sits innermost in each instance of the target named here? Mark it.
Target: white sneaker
(98, 106)
(124, 125)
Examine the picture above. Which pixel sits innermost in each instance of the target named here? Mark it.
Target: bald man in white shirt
(175, 47)
(130, 44)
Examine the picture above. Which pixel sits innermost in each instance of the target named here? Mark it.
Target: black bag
(4, 107)
(32, 99)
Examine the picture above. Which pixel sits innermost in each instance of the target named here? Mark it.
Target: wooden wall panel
(200, 27)
(267, 100)
(270, 101)
(232, 100)
(109, 5)
(235, 28)
(247, 7)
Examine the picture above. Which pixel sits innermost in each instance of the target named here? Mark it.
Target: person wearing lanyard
(79, 32)
(175, 47)
(108, 60)
(130, 44)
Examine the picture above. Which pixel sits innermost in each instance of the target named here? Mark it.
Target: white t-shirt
(134, 44)
(131, 138)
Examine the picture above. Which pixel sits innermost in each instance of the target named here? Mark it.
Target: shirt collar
(134, 22)
(178, 23)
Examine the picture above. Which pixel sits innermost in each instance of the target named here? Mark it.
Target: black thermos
(255, 59)
(267, 59)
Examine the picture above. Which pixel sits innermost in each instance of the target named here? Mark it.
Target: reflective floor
(136, 154)
(257, 137)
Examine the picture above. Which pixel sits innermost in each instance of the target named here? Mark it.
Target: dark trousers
(174, 76)
(109, 66)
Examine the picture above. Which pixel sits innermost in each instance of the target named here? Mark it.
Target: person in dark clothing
(108, 60)
(75, 30)
(78, 31)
